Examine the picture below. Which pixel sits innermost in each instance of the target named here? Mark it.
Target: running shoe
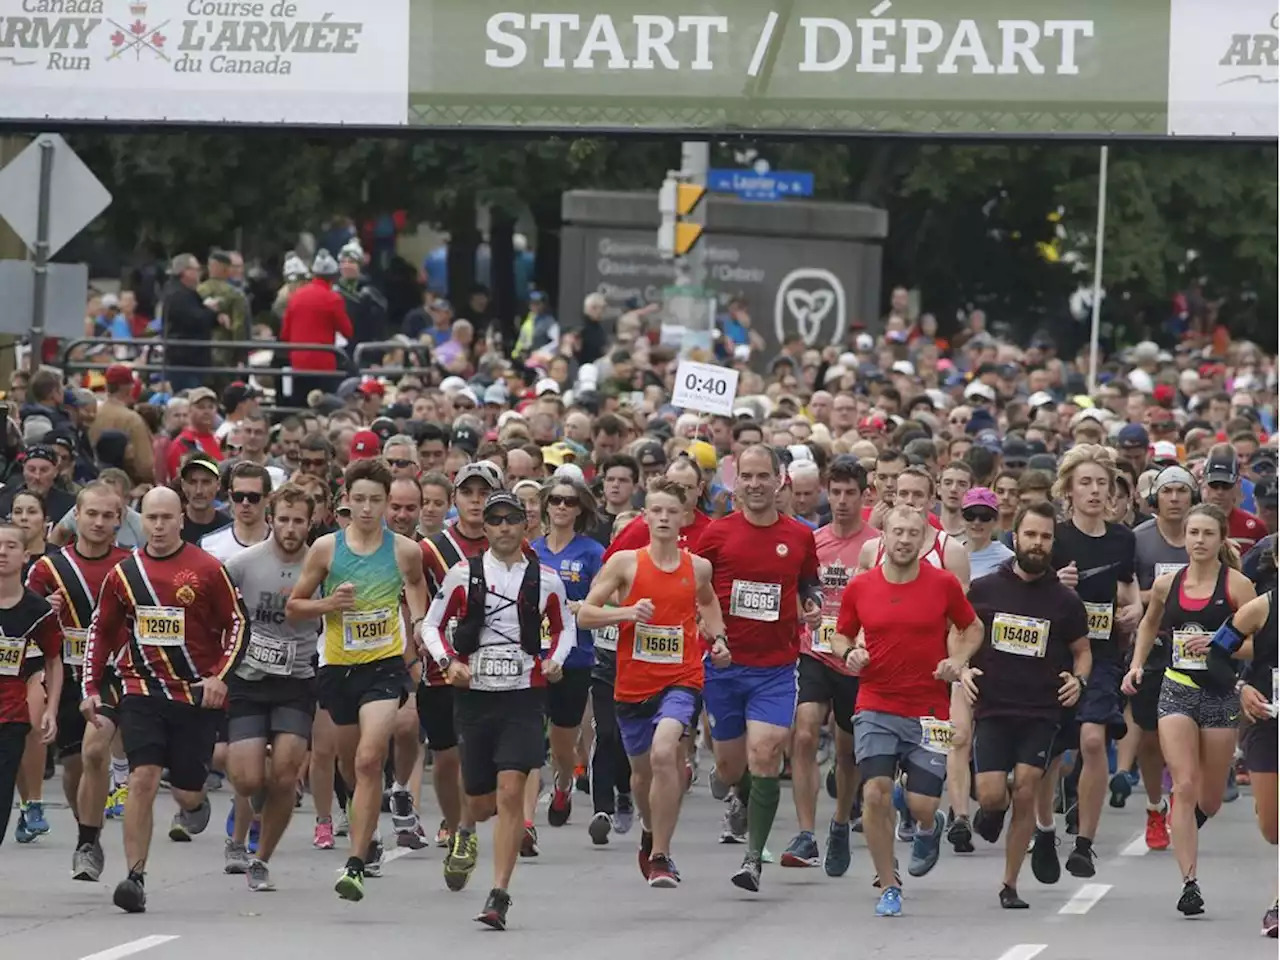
(414, 840)
(189, 823)
(1120, 789)
(906, 831)
(838, 855)
(719, 789)
(460, 861)
(529, 843)
(87, 862)
(599, 827)
(890, 903)
(22, 833)
(734, 829)
(350, 885)
(130, 896)
(1271, 921)
(624, 814)
(926, 847)
(1158, 828)
(1191, 903)
(1231, 792)
(342, 823)
(116, 801)
(988, 825)
(443, 835)
(324, 835)
(560, 808)
(213, 781)
(662, 873)
(960, 835)
(646, 850)
(1044, 856)
(1009, 899)
(373, 858)
(748, 875)
(495, 909)
(235, 858)
(1080, 862)
(259, 877)
(403, 817)
(580, 779)
(802, 852)
(36, 822)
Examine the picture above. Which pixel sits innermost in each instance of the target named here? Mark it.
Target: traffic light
(677, 200)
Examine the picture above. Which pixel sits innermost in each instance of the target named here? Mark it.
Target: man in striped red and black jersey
(24, 619)
(459, 541)
(71, 580)
(179, 626)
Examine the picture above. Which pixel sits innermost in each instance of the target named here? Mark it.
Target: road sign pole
(40, 300)
(695, 161)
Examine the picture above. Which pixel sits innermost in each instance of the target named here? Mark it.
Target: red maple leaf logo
(158, 39)
(117, 39)
(138, 28)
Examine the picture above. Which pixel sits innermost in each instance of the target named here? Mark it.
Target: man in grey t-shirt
(271, 693)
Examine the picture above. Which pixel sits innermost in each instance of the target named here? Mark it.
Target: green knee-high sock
(743, 787)
(761, 811)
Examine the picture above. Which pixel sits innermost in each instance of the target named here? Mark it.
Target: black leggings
(13, 741)
(610, 768)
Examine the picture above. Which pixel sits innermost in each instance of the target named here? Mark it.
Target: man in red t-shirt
(894, 631)
(198, 434)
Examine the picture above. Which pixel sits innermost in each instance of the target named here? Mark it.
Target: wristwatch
(1083, 681)
(444, 663)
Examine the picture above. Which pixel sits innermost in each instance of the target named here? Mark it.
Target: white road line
(395, 854)
(1085, 898)
(762, 45)
(130, 948)
(1024, 951)
(1137, 847)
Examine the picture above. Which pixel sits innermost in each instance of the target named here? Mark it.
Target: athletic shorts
(1145, 704)
(1210, 711)
(71, 722)
(31, 666)
(163, 733)
(567, 697)
(886, 744)
(1100, 703)
(263, 709)
(820, 683)
(111, 692)
(1258, 741)
(637, 722)
(605, 669)
(499, 731)
(1001, 743)
(736, 694)
(344, 689)
(435, 716)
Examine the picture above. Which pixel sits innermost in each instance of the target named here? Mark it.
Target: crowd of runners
(996, 635)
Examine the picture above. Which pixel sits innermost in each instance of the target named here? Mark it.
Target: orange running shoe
(1157, 830)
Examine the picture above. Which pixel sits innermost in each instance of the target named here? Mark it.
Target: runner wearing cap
(500, 666)
(458, 542)
(1222, 489)
(1134, 444)
(198, 434)
(39, 474)
(200, 478)
(365, 445)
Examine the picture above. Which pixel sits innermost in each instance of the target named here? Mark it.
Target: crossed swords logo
(137, 38)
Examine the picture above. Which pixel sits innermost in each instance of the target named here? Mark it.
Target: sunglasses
(558, 501)
(314, 464)
(343, 511)
(978, 516)
(507, 519)
(463, 405)
(400, 464)
(245, 496)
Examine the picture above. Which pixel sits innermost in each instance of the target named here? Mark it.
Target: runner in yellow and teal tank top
(375, 629)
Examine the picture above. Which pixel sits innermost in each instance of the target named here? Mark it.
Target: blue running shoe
(836, 862)
(22, 833)
(890, 903)
(906, 824)
(36, 822)
(802, 852)
(255, 829)
(927, 846)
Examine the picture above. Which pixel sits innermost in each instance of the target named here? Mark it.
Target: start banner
(1147, 68)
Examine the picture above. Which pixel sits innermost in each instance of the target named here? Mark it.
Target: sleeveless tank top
(935, 555)
(1261, 672)
(664, 653)
(1184, 617)
(375, 629)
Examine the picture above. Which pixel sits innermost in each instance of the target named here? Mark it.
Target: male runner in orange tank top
(661, 590)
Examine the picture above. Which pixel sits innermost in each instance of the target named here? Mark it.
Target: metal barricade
(144, 346)
(421, 350)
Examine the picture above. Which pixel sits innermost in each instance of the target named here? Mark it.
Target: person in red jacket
(316, 314)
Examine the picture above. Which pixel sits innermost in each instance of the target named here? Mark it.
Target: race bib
(606, 638)
(655, 644)
(1021, 636)
(755, 601)
(497, 668)
(1181, 659)
(11, 656)
(74, 640)
(546, 634)
(1163, 568)
(274, 657)
(366, 630)
(935, 734)
(821, 638)
(1101, 616)
(161, 626)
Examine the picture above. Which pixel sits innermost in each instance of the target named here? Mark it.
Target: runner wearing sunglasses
(248, 489)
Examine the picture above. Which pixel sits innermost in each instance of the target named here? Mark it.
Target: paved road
(590, 901)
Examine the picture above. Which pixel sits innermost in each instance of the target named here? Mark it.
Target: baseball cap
(1016, 450)
(571, 472)
(484, 470)
(452, 384)
(651, 455)
(465, 438)
(1263, 463)
(1043, 461)
(372, 388)
(1133, 436)
(1267, 492)
(1164, 452)
(979, 389)
(871, 422)
(1041, 398)
(904, 367)
(500, 499)
(1163, 394)
(980, 497)
(544, 386)
(384, 427)
(703, 454)
(196, 460)
(118, 375)
(197, 394)
(989, 439)
(365, 445)
(863, 342)
(236, 394)
(495, 394)
(43, 452)
(1222, 468)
